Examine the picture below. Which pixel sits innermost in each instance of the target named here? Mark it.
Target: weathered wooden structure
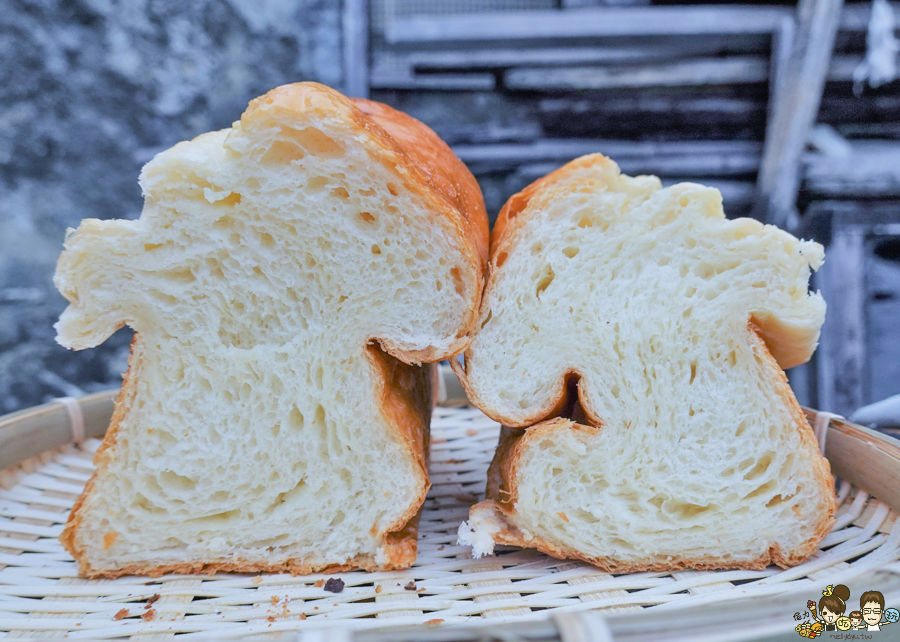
(726, 94)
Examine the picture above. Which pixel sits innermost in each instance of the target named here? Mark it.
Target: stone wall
(90, 90)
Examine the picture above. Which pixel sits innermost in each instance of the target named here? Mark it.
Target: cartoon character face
(854, 621)
(871, 613)
(831, 616)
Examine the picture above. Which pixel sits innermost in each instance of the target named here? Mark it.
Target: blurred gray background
(794, 113)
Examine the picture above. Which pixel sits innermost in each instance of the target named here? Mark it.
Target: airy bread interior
(691, 449)
(262, 424)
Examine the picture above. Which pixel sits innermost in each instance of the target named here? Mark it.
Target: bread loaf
(638, 336)
(285, 280)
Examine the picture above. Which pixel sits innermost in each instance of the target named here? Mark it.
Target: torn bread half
(661, 328)
(286, 280)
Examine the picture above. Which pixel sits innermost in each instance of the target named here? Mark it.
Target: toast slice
(286, 280)
(660, 328)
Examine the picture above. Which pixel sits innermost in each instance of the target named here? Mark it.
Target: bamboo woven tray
(42, 473)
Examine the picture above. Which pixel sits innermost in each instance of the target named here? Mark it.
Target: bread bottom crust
(399, 551)
(512, 536)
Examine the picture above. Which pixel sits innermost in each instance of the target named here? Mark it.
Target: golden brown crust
(808, 440)
(513, 537)
(294, 567)
(509, 220)
(790, 346)
(438, 165)
(407, 399)
(102, 457)
(502, 493)
(568, 396)
(407, 392)
(427, 166)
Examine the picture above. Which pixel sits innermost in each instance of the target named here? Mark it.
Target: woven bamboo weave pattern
(41, 595)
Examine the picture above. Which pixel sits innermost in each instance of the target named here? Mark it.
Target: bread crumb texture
(664, 316)
(285, 279)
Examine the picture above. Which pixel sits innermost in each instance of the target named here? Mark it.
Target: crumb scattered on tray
(334, 585)
(303, 616)
(121, 614)
(256, 580)
(149, 615)
(410, 586)
(471, 432)
(378, 588)
(271, 618)
(152, 599)
(274, 600)
(433, 622)
(319, 583)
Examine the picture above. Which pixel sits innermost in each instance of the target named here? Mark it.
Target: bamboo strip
(41, 595)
